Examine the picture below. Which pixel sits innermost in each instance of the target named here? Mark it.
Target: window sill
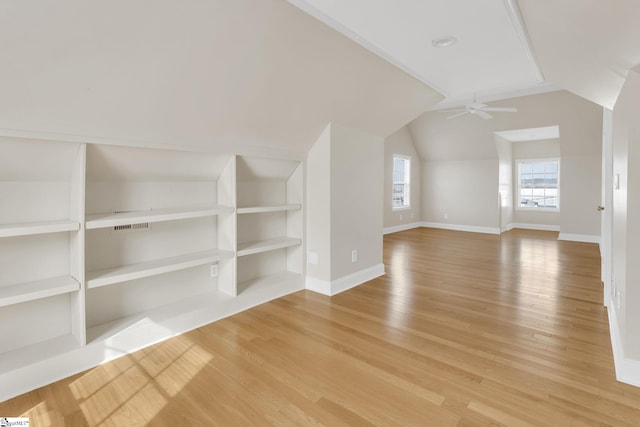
(407, 208)
(549, 210)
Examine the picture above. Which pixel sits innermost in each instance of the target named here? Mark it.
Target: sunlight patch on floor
(40, 415)
(135, 388)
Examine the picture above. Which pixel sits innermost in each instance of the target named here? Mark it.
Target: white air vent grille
(130, 227)
(142, 226)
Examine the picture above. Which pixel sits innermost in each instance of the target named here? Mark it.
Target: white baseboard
(540, 227)
(318, 285)
(627, 370)
(342, 284)
(401, 227)
(457, 227)
(587, 238)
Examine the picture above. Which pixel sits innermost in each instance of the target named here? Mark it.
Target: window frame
(406, 182)
(519, 163)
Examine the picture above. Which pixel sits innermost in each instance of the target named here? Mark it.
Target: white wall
(461, 192)
(626, 217)
(357, 182)
(537, 150)
(400, 142)
(505, 181)
(345, 179)
(318, 207)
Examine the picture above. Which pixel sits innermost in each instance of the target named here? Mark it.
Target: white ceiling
(583, 46)
(492, 52)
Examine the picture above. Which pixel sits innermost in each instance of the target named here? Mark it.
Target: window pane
(398, 170)
(401, 177)
(551, 167)
(398, 195)
(538, 184)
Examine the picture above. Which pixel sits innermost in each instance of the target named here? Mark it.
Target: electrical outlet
(411, 215)
(312, 258)
(214, 270)
(446, 216)
(354, 255)
(618, 300)
(400, 217)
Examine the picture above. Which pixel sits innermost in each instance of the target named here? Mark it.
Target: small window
(401, 182)
(539, 185)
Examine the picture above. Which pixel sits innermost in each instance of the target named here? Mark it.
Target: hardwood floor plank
(464, 330)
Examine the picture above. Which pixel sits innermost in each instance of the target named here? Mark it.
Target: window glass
(539, 184)
(401, 182)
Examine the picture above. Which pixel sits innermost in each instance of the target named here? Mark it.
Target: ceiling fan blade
(458, 115)
(484, 115)
(476, 106)
(452, 111)
(501, 109)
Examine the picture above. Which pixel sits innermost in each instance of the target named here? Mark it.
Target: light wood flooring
(463, 330)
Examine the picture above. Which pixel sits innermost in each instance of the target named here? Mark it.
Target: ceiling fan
(479, 109)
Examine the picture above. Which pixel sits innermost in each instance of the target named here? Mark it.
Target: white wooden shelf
(125, 273)
(286, 281)
(179, 316)
(30, 291)
(190, 313)
(111, 220)
(41, 227)
(251, 248)
(259, 209)
(23, 358)
(140, 330)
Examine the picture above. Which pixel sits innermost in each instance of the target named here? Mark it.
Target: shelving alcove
(106, 249)
(152, 236)
(270, 225)
(41, 251)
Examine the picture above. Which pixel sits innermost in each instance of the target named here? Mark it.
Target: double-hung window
(401, 195)
(538, 185)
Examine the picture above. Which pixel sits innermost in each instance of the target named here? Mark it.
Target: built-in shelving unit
(106, 249)
(270, 223)
(41, 249)
(172, 199)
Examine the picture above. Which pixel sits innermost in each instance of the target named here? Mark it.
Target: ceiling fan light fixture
(445, 41)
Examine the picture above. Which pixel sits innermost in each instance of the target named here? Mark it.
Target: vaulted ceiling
(504, 47)
(490, 50)
(269, 74)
